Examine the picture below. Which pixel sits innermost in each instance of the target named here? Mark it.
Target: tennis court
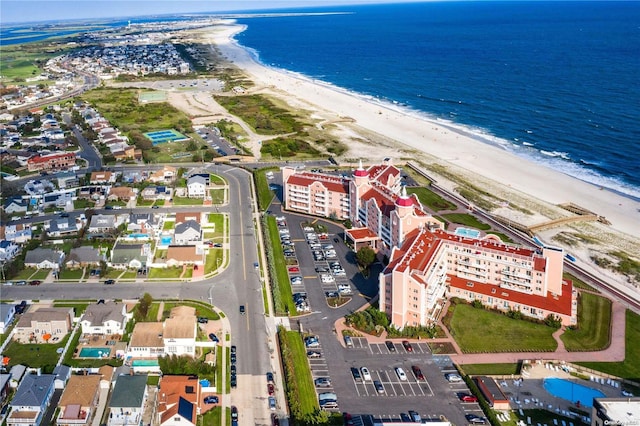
(161, 136)
(157, 96)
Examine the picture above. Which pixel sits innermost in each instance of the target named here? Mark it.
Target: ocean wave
(563, 155)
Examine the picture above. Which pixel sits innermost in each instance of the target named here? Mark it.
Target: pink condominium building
(427, 264)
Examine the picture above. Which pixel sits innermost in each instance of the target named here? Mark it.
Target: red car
(468, 398)
(417, 372)
(407, 346)
(271, 389)
(35, 282)
(294, 269)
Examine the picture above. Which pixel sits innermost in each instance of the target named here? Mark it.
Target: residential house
(129, 256)
(180, 331)
(16, 205)
(196, 187)
(92, 192)
(156, 193)
(143, 222)
(16, 374)
(105, 319)
(122, 193)
(67, 180)
(43, 258)
(102, 177)
(177, 401)
(7, 313)
(127, 400)
(59, 161)
(165, 175)
(185, 255)
(34, 326)
(78, 403)
(18, 233)
(187, 232)
(4, 387)
(63, 374)
(203, 174)
(60, 226)
(31, 400)
(80, 257)
(8, 250)
(101, 223)
(182, 217)
(58, 199)
(146, 341)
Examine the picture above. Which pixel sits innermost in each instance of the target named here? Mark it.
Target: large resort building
(427, 265)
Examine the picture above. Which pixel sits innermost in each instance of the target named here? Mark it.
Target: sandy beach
(434, 139)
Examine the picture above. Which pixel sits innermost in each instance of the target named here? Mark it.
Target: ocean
(552, 82)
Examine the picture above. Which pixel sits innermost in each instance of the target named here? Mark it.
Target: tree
(143, 306)
(365, 256)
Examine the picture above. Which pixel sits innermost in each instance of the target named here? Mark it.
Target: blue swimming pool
(138, 235)
(165, 240)
(466, 232)
(571, 391)
(94, 352)
(145, 363)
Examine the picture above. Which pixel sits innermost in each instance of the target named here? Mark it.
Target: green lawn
(186, 201)
(217, 180)
(168, 226)
(594, 322)
(280, 285)
(217, 196)
(128, 275)
(630, 367)
(430, 199)
(80, 204)
(25, 274)
(479, 330)
(41, 274)
(71, 274)
(217, 219)
(213, 417)
(578, 283)
(212, 262)
(265, 195)
(34, 355)
(467, 220)
(78, 308)
(300, 389)
(165, 272)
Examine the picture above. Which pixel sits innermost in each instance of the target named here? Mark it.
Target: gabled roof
(125, 253)
(183, 253)
(33, 390)
(184, 226)
(39, 255)
(97, 315)
(147, 335)
(185, 216)
(102, 221)
(173, 391)
(331, 182)
(80, 390)
(197, 179)
(129, 391)
(43, 315)
(84, 254)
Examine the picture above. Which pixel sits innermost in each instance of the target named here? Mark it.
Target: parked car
(233, 381)
(213, 337)
(405, 418)
(293, 269)
(415, 416)
(453, 378)
(401, 374)
(366, 375)
(233, 349)
(390, 346)
(356, 374)
(465, 397)
(234, 416)
(211, 399)
(242, 310)
(21, 282)
(110, 282)
(275, 421)
(407, 346)
(270, 377)
(234, 358)
(35, 282)
(378, 386)
(348, 341)
(314, 354)
(272, 403)
(203, 320)
(475, 419)
(271, 389)
(417, 372)
(322, 382)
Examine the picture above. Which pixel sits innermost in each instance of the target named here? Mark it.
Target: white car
(366, 376)
(401, 374)
(453, 378)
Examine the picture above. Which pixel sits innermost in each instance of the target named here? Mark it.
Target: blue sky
(16, 11)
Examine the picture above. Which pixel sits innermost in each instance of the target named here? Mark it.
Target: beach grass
(287, 148)
(430, 199)
(261, 113)
(482, 331)
(578, 283)
(265, 195)
(594, 325)
(630, 367)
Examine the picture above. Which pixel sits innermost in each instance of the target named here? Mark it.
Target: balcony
(510, 273)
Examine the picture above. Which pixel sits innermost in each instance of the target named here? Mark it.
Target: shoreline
(444, 142)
